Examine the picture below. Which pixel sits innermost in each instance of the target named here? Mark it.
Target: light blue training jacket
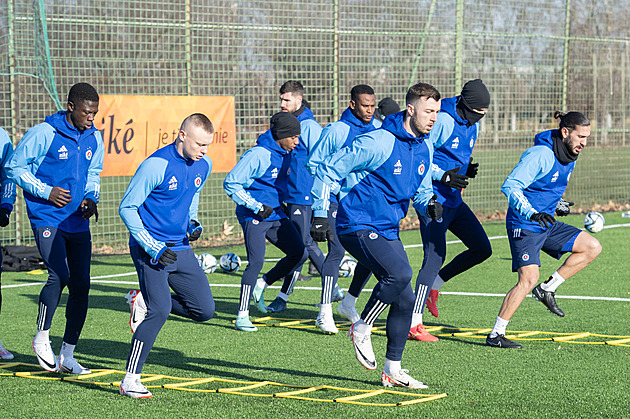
(7, 188)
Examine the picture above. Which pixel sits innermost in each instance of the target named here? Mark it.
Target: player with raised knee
(58, 164)
(534, 191)
(357, 119)
(160, 208)
(7, 201)
(376, 176)
(257, 184)
(453, 136)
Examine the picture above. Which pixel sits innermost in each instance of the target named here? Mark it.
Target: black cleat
(548, 299)
(304, 278)
(312, 270)
(500, 341)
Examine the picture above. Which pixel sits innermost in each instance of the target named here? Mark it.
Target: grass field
(544, 379)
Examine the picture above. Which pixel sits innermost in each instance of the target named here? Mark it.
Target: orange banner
(133, 127)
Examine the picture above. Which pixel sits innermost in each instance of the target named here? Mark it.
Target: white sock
(283, 296)
(416, 319)
(499, 327)
(391, 366)
(349, 300)
(131, 377)
(552, 283)
(42, 336)
(437, 283)
(261, 283)
(67, 350)
(325, 309)
(362, 327)
(242, 313)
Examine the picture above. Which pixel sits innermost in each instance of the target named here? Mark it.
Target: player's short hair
(292, 86)
(198, 120)
(360, 89)
(82, 92)
(571, 120)
(419, 90)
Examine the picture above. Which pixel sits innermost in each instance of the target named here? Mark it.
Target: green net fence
(535, 58)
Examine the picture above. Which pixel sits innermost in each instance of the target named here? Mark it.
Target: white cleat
(363, 348)
(326, 322)
(349, 313)
(4, 354)
(401, 379)
(134, 389)
(138, 308)
(45, 356)
(71, 366)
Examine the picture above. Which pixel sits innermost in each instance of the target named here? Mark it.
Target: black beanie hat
(475, 94)
(284, 125)
(386, 106)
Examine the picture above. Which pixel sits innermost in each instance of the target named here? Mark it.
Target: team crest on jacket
(46, 233)
(421, 169)
(88, 154)
(172, 184)
(569, 176)
(63, 153)
(198, 181)
(472, 142)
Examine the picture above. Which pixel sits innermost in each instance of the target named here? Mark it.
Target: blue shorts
(526, 245)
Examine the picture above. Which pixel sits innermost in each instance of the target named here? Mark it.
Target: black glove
(168, 257)
(434, 208)
(473, 168)
(562, 208)
(264, 212)
(543, 219)
(285, 208)
(320, 229)
(4, 217)
(454, 180)
(196, 233)
(89, 209)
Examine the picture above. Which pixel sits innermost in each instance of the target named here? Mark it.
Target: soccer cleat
(4, 354)
(401, 379)
(363, 348)
(71, 366)
(337, 294)
(277, 305)
(500, 341)
(259, 298)
(548, 299)
(312, 270)
(326, 323)
(138, 308)
(420, 333)
(244, 324)
(349, 313)
(45, 356)
(134, 389)
(432, 302)
(304, 278)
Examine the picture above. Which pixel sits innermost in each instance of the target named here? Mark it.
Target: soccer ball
(594, 222)
(346, 267)
(207, 262)
(230, 262)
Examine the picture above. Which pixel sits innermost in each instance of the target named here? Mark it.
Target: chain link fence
(535, 57)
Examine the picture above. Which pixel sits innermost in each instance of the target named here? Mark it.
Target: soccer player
(257, 184)
(534, 191)
(357, 119)
(6, 206)
(453, 136)
(379, 173)
(299, 184)
(58, 164)
(159, 208)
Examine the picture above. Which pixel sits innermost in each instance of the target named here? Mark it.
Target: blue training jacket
(536, 184)
(300, 180)
(259, 177)
(337, 135)
(162, 199)
(54, 153)
(454, 141)
(7, 190)
(379, 172)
